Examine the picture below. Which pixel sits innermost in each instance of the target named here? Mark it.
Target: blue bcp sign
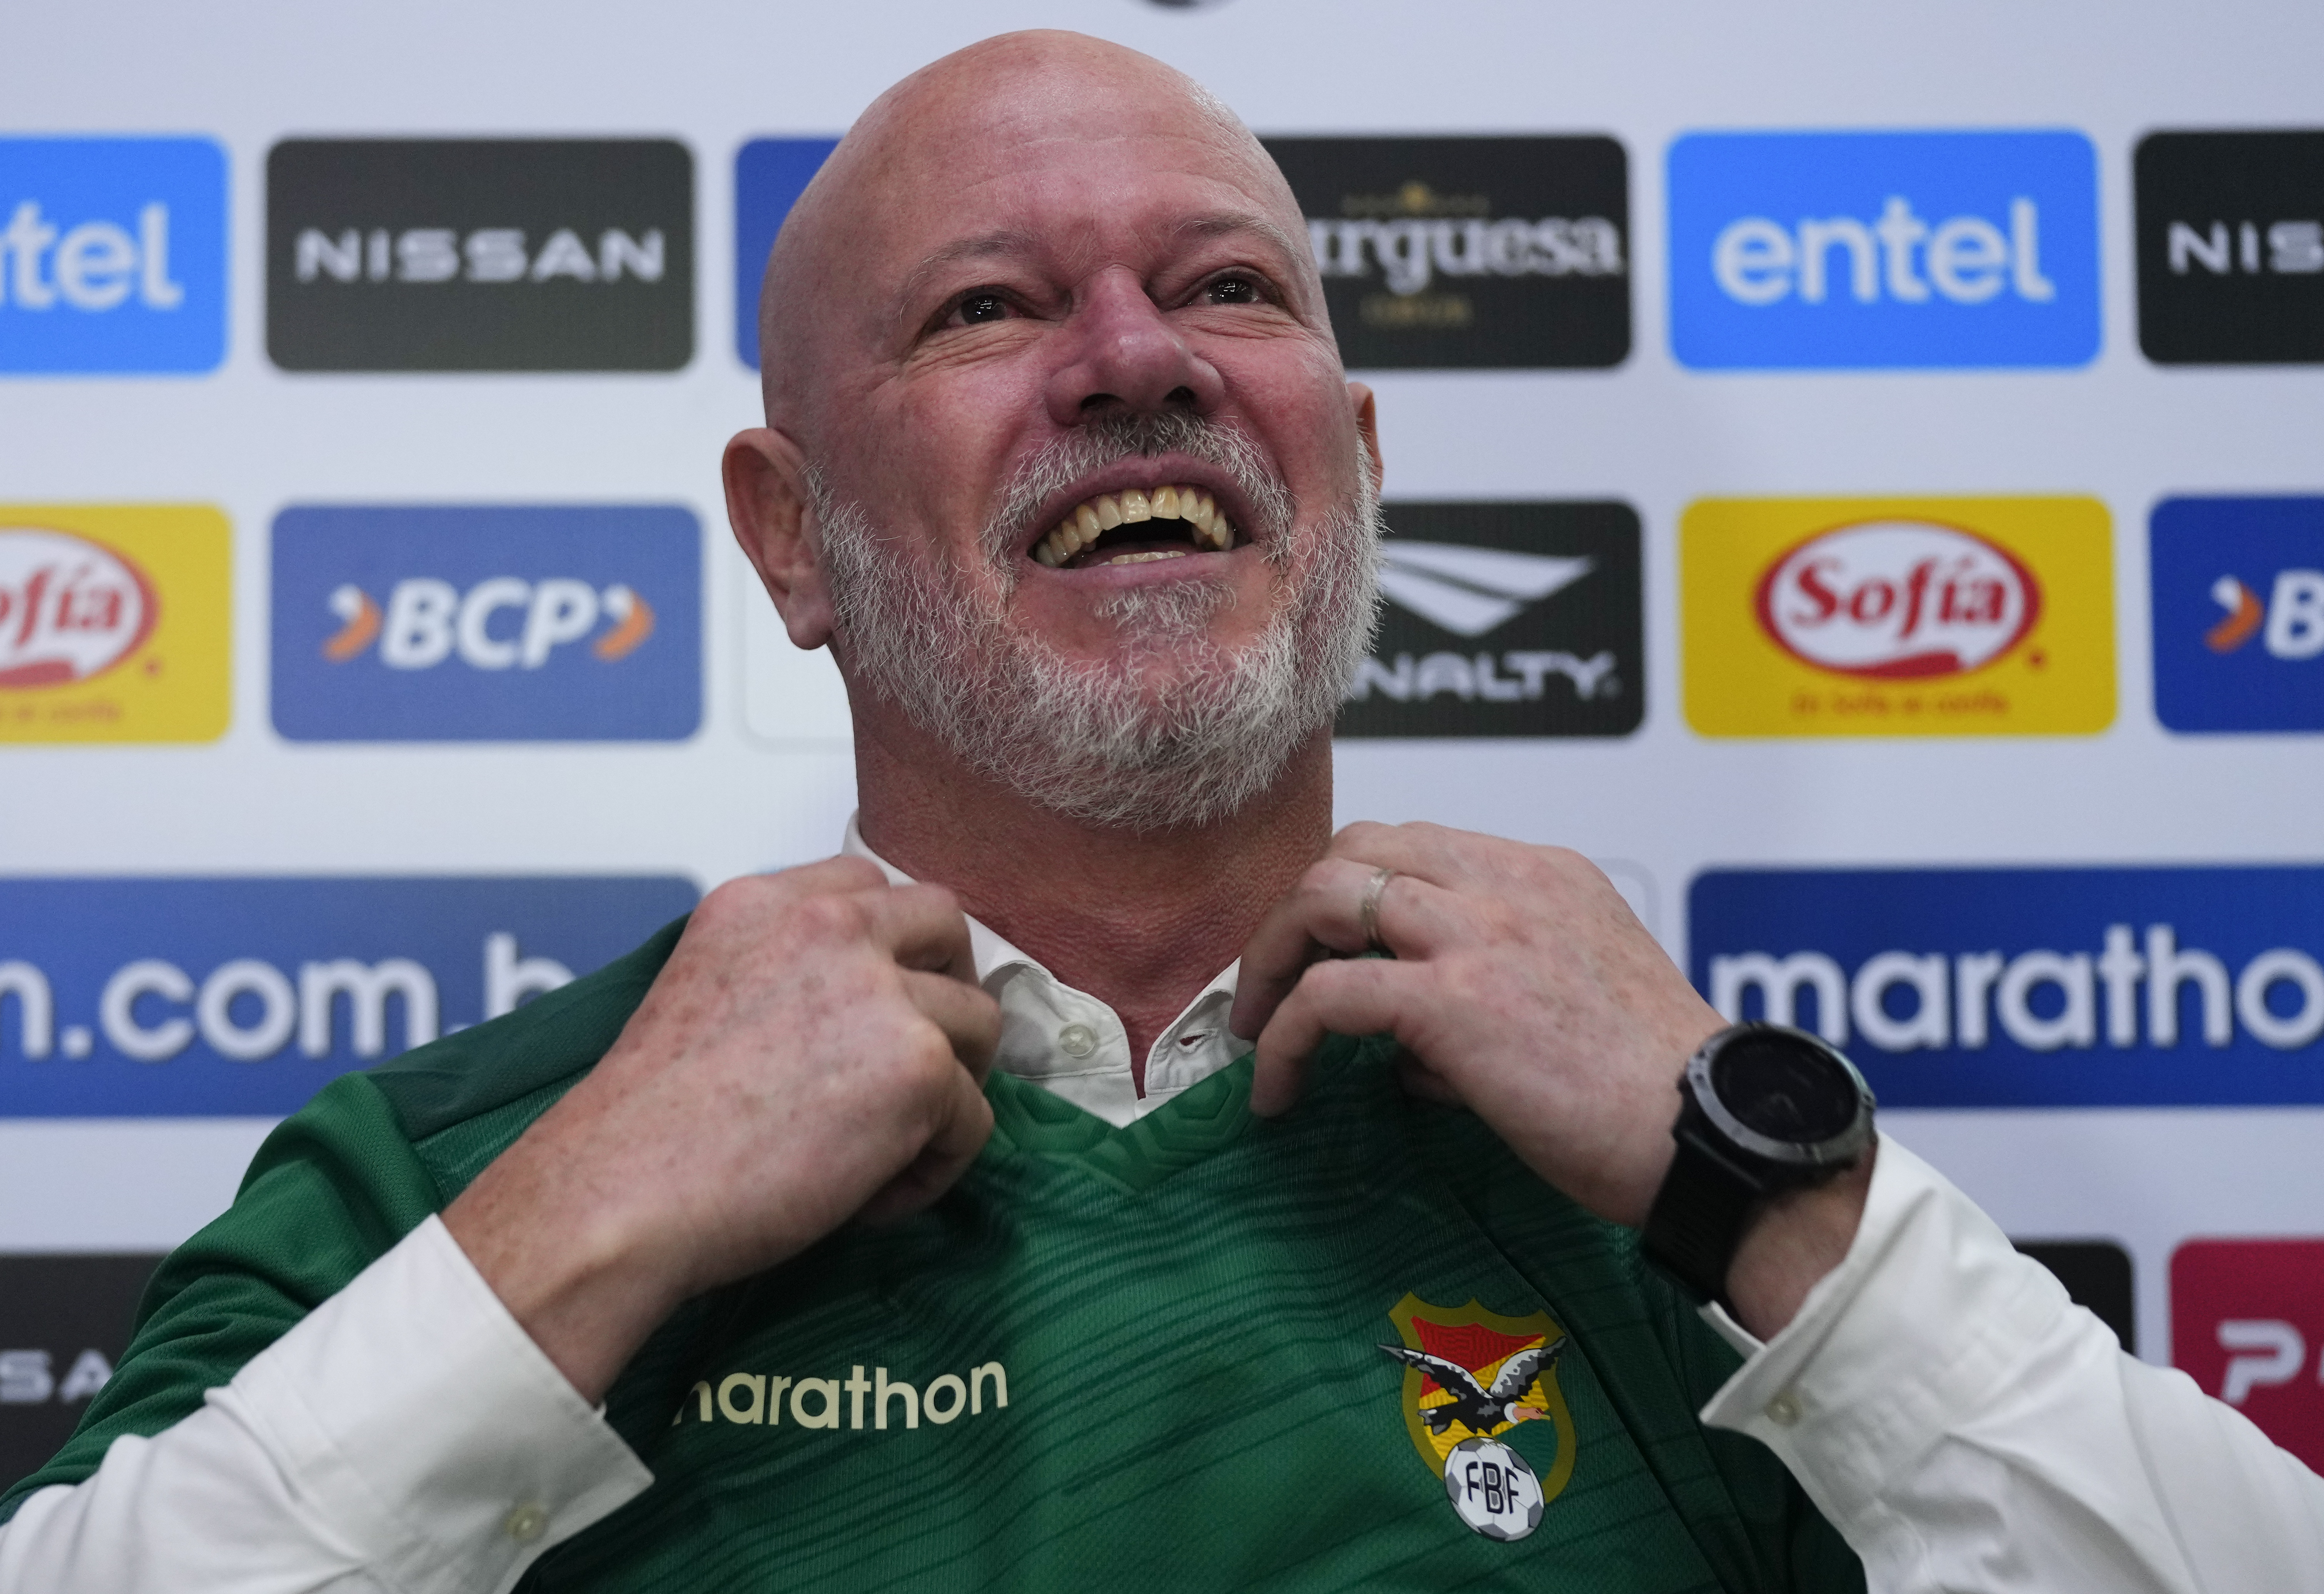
(2033, 987)
(113, 255)
(220, 997)
(1868, 250)
(2238, 603)
(488, 623)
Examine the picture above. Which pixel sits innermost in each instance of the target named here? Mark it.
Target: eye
(1234, 289)
(980, 305)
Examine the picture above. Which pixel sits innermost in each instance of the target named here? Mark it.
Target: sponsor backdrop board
(1851, 469)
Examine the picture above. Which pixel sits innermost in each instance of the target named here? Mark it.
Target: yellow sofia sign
(1898, 616)
(116, 623)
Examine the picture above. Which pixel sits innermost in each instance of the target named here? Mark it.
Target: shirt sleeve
(1966, 1426)
(407, 1436)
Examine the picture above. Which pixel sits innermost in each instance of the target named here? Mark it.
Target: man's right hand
(814, 1050)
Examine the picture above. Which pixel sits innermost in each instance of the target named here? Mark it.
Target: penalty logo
(1470, 591)
(1470, 1376)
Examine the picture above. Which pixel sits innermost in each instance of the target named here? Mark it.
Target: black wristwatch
(1763, 1108)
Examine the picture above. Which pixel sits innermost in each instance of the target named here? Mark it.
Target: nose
(1126, 357)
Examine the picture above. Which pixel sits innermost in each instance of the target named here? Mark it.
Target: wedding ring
(1367, 910)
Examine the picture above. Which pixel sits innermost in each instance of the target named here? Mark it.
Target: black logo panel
(2231, 248)
(1505, 619)
(64, 1322)
(1469, 253)
(2097, 1274)
(480, 254)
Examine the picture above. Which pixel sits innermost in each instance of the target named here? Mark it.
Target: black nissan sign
(2231, 248)
(1469, 253)
(480, 254)
(64, 1322)
(1505, 619)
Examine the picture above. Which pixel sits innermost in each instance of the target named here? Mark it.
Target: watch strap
(1697, 1220)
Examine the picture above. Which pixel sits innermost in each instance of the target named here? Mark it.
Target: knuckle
(832, 917)
(859, 874)
(735, 899)
(984, 1014)
(1566, 862)
(941, 899)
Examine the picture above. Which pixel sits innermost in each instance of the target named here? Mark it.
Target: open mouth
(1136, 526)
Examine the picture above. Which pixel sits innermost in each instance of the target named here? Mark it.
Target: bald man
(999, 1203)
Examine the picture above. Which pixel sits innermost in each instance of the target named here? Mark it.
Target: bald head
(979, 123)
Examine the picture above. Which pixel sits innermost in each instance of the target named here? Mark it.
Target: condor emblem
(1471, 1376)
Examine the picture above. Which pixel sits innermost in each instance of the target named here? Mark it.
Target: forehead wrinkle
(1221, 223)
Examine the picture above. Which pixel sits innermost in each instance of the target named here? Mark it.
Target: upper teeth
(1089, 520)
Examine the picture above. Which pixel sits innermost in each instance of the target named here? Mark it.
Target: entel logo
(69, 608)
(113, 254)
(426, 621)
(1871, 249)
(95, 266)
(1966, 259)
(1897, 600)
(2293, 617)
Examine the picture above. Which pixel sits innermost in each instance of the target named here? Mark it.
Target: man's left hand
(1522, 987)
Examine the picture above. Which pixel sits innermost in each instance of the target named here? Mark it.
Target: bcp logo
(2247, 1325)
(1897, 617)
(487, 623)
(2238, 595)
(114, 623)
(1505, 619)
(232, 997)
(1836, 249)
(2033, 987)
(770, 175)
(113, 255)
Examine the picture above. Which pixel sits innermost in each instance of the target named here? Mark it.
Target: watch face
(1782, 1088)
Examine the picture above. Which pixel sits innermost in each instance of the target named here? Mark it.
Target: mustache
(1096, 444)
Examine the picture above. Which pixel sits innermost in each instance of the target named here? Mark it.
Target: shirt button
(1784, 1410)
(527, 1523)
(1079, 1040)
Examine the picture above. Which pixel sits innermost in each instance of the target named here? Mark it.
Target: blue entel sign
(1836, 251)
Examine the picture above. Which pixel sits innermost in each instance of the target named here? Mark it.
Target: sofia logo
(1898, 599)
(69, 608)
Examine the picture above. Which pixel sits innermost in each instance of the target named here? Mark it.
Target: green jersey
(1357, 1346)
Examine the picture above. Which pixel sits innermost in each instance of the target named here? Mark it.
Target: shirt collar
(1070, 1043)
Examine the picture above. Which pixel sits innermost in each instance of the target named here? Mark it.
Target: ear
(767, 505)
(1368, 427)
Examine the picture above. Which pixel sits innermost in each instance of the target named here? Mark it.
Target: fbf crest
(69, 609)
(1898, 599)
(1474, 1380)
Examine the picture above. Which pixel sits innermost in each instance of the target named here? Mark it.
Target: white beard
(1112, 744)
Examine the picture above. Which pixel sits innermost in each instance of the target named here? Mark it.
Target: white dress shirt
(1074, 1045)
(1957, 1418)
